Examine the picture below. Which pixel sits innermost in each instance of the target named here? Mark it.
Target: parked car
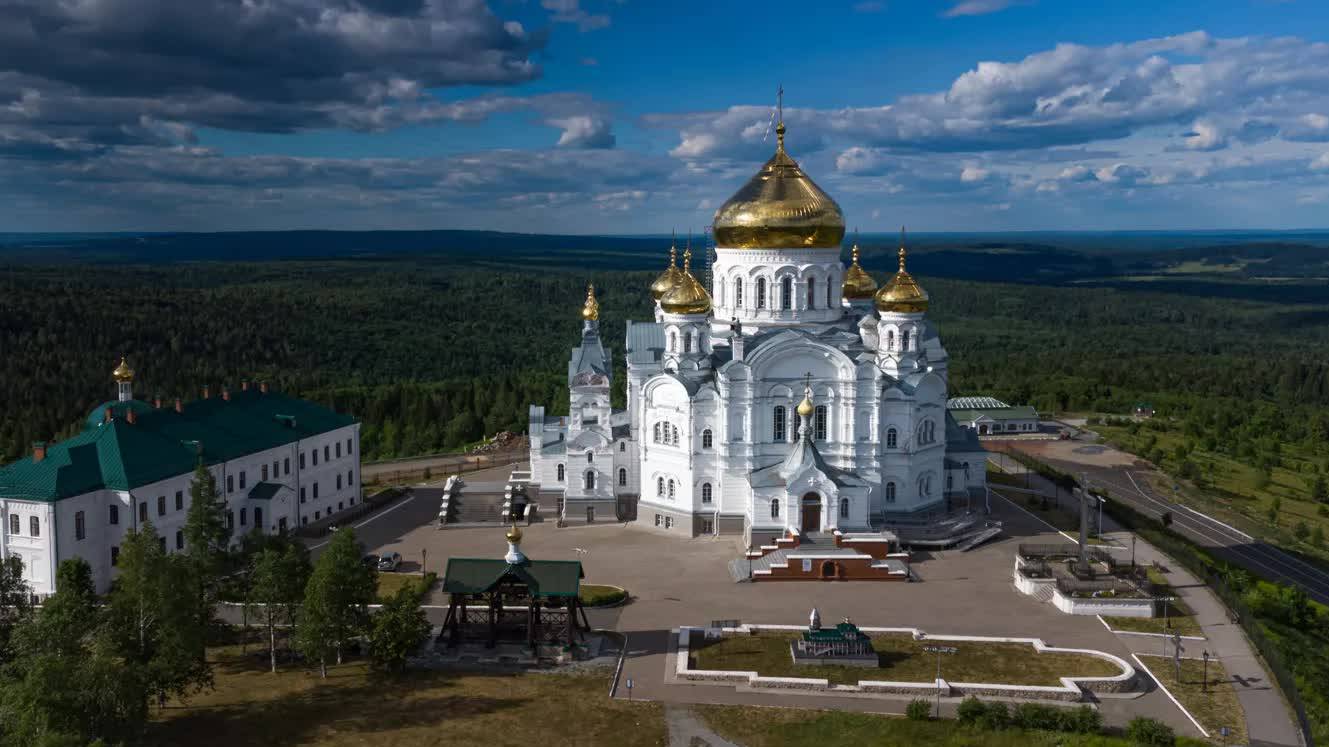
(371, 560)
(389, 561)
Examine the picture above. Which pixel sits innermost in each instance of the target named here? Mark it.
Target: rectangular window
(326, 452)
(244, 514)
(81, 526)
(242, 479)
(161, 505)
(230, 483)
(115, 556)
(350, 478)
(348, 447)
(286, 466)
(15, 527)
(339, 449)
(315, 453)
(316, 515)
(302, 460)
(179, 500)
(34, 526)
(339, 482)
(162, 541)
(657, 520)
(819, 423)
(315, 491)
(777, 424)
(339, 505)
(230, 522)
(142, 511)
(302, 494)
(114, 518)
(275, 471)
(669, 522)
(179, 540)
(264, 473)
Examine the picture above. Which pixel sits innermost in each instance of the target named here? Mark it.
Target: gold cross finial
(687, 258)
(779, 126)
(901, 248)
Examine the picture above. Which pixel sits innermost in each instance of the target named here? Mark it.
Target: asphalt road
(1261, 558)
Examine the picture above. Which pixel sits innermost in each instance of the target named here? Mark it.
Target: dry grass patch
(1215, 707)
(355, 706)
(902, 659)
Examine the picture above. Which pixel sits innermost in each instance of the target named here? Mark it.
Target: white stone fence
(1071, 689)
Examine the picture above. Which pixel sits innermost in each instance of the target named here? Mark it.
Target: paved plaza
(675, 581)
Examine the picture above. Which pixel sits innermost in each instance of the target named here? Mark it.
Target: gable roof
(545, 578)
(163, 443)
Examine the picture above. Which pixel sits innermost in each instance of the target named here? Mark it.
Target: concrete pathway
(686, 730)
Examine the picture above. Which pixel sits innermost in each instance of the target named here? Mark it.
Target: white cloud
(978, 7)
(974, 174)
(584, 131)
(1321, 163)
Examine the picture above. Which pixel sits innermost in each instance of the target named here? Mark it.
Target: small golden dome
(123, 372)
(779, 208)
(805, 408)
(858, 284)
(687, 296)
(902, 294)
(513, 534)
(667, 278)
(590, 311)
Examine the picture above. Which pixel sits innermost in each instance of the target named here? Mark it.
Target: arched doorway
(829, 569)
(811, 505)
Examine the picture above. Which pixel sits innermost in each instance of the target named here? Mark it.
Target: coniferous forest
(433, 354)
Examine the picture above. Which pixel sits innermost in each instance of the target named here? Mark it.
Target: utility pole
(939, 650)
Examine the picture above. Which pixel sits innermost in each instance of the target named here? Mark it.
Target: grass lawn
(357, 707)
(1179, 618)
(390, 583)
(902, 659)
(787, 727)
(1215, 708)
(599, 595)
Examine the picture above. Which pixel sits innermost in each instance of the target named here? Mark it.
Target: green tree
(277, 584)
(1320, 489)
(153, 616)
(398, 629)
(1317, 536)
(337, 598)
(15, 603)
(1149, 732)
(1301, 530)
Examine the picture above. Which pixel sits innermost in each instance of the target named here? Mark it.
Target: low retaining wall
(1110, 606)
(1071, 689)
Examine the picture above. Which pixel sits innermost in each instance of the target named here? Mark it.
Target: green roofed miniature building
(844, 644)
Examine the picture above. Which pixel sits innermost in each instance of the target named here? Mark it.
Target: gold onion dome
(123, 372)
(805, 408)
(902, 294)
(513, 534)
(858, 284)
(687, 296)
(779, 208)
(591, 310)
(667, 278)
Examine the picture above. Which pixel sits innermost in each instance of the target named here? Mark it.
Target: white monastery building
(279, 463)
(793, 396)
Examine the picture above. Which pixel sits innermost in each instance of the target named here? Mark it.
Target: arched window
(786, 293)
(844, 508)
(622, 446)
(673, 341)
(560, 473)
(655, 433)
(706, 439)
(671, 490)
(830, 292)
(890, 492)
(590, 479)
(891, 438)
(622, 477)
(922, 487)
(761, 293)
(819, 423)
(706, 492)
(812, 293)
(904, 339)
(738, 293)
(775, 508)
(659, 486)
(673, 431)
(687, 342)
(890, 339)
(590, 458)
(778, 425)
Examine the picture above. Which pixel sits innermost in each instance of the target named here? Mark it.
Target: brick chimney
(130, 416)
(244, 385)
(38, 451)
(157, 402)
(207, 391)
(226, 394)
(107, 415)
(263, 387)
(179, 405)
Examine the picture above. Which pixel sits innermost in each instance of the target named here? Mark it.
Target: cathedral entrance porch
(811, 505)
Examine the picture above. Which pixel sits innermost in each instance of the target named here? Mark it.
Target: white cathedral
(795, 396)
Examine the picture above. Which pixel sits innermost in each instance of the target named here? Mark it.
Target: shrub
(1082, 720)
(996, 716)
(970, 710)
(1149, 732)
(1036, 716)
(918, 710)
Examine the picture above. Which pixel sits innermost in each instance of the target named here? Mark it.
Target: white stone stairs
(977, 538)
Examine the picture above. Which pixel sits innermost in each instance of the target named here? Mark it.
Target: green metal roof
(163, 443)
(118, 409)
(845, 631)
(545, 578)
(264, 491)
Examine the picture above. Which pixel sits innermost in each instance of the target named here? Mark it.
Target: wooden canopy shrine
(492, 599)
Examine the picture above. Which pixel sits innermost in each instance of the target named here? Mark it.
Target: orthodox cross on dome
(590, 311)
(779, 113)
(901, 249)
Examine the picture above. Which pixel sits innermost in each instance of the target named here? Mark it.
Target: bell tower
(124, 381)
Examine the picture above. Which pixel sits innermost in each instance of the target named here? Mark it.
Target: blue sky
(634, 117)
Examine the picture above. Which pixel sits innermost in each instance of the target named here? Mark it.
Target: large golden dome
(902, 294)
(687, 296)
(858, 284)
(667, 278)
(779, 208)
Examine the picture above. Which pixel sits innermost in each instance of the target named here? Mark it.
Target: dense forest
(433, 353)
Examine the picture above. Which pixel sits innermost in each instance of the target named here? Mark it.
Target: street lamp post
(939, 650)
(1204, 683)
(1132, 552)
